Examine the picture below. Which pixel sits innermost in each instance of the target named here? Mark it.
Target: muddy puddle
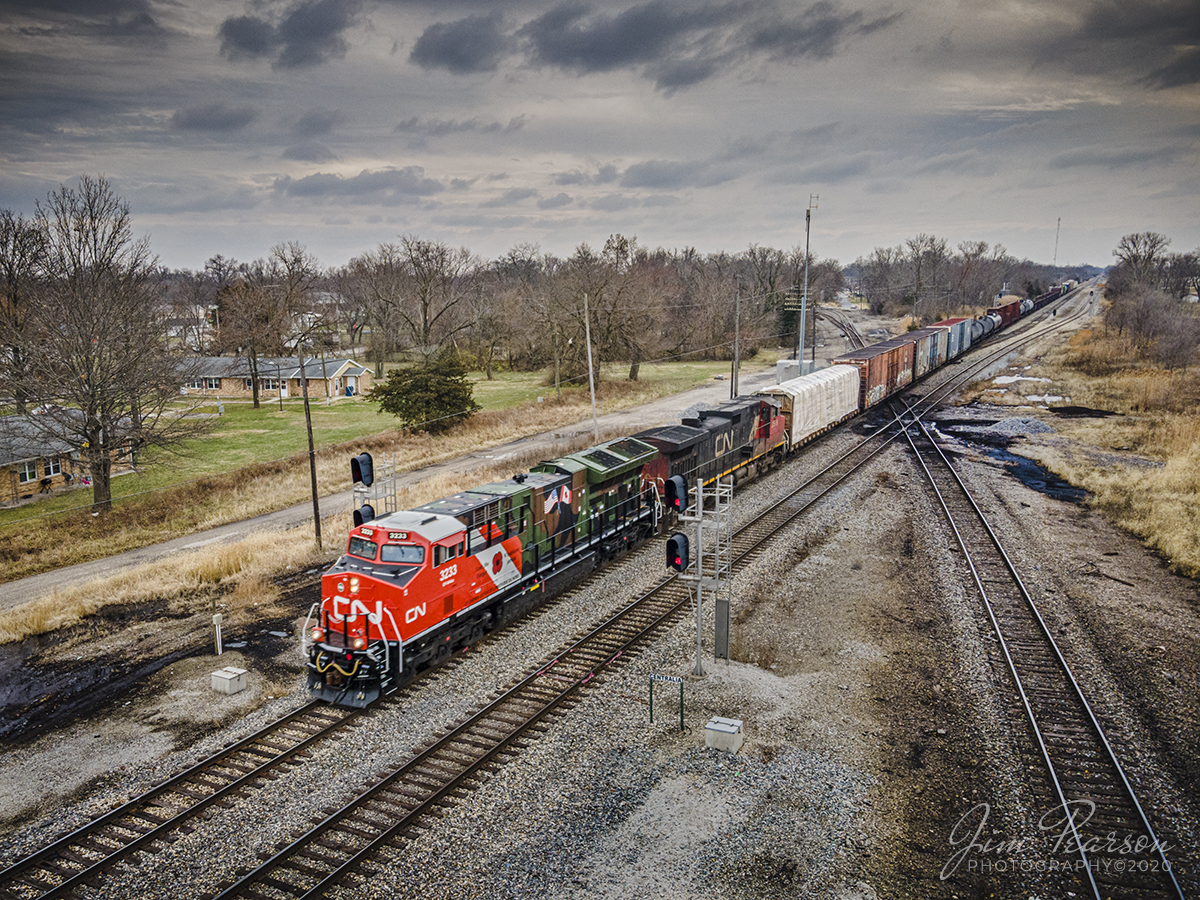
(992, 438)
(41, 690)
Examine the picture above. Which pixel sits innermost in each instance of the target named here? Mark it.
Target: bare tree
(882, 277)
(22, 259)
(107, 383)
(1181, 273)
(190, 296)
(927, 259)
(255, 321)
(438, 283)
(375, 283)
(1144, 254)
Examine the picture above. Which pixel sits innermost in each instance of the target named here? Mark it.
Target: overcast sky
(233, 125)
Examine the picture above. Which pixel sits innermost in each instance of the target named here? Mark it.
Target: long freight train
(416, 585)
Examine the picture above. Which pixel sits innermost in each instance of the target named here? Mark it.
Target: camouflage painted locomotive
(417, 585)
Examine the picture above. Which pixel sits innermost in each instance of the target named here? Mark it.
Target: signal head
(678, 552)
(362, 469)
(676, 492)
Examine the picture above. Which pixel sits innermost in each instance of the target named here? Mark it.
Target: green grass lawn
(243, 436)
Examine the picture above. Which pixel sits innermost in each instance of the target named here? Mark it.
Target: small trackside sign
(673, 679)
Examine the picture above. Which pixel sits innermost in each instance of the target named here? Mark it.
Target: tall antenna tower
(1056, 230)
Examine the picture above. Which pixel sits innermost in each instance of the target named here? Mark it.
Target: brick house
(31, 463)
(229, 376)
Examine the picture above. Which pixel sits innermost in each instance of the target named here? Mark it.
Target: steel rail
(67, 853)
(1049, 747)
(671, 596)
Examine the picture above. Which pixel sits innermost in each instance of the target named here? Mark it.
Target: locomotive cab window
(444, 553)
(409, 554)
(362, 548)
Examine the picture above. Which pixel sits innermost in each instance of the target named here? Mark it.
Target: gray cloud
(832, 171)
(318, 121)
(247, 37)
(308, 34)
(678, 45)
(968, 161)
(516, 195)
(427, 127)
(378, 186)
(570, 38)
(214, 117)
(615, 202)
(667, 175)
(819, 31)
(310, 151)
(606, 174)
(1114, 158)
(680, 73)
(473, 44)
(1154, 43)
(660, 175)
(193, 194)
(1182, 71)
(558, 201)
(120, 19)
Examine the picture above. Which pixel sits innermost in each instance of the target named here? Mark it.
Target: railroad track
(157, 816)
(81, 857)
(843, 323)
(1091, 797)
(342, 846)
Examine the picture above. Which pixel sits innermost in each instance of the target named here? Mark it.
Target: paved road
(625, 421)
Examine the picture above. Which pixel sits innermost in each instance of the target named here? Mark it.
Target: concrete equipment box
(724, 734)
(229, 680)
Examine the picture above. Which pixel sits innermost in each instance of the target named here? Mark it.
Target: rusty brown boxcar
(883, 369)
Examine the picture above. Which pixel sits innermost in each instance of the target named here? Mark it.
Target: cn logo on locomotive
(357, 608)
(415, 613)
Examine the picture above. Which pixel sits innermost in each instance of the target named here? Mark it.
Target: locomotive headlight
(354, 585)
(318, 635)
(360, 643)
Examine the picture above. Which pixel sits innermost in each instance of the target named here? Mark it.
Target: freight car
(958, 336)
(814, 403)
(1008, 311)
(415, 585)
(883, 369)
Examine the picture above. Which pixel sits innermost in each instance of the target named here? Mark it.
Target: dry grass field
(1141, 465)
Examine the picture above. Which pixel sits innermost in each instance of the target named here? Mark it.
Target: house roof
(277, 367)
(21, 441)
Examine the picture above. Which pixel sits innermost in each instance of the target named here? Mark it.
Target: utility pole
(557, 368)
(812, 204)
(312, 453)
(587, 334)
(737, 342)
(1057, 228)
